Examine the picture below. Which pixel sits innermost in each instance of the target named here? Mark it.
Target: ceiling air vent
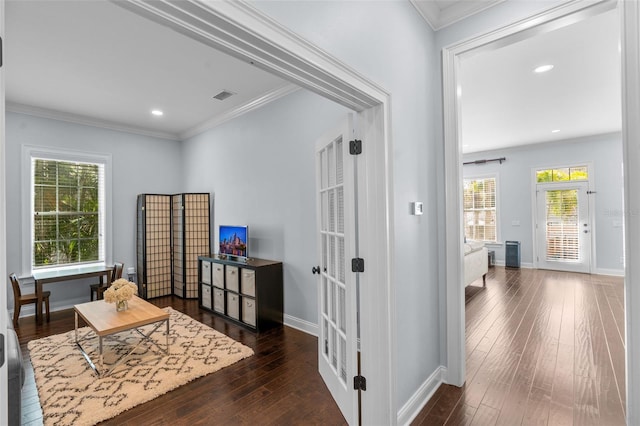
(223, 95)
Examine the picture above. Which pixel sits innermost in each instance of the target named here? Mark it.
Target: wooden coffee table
(104, 320)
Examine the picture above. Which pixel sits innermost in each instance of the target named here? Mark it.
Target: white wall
(391, 44)
(604, 152)
(260, 169)
(140, 164)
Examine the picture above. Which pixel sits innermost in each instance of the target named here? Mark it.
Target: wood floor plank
(544, 348)
(485, 416)
(283, 368)
(613, 340)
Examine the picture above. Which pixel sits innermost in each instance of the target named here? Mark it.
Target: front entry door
(563, 231)
(336, 233)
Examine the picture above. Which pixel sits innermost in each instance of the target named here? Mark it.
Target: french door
(336, 232)
(563, 227)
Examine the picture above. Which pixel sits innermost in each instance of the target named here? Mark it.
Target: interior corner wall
(140, 164)
(260, 170)
(514, 186)
(390, 43)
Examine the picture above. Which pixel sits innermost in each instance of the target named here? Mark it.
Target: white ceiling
(504, 103)
(95, 62)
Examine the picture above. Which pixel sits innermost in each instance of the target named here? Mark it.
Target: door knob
(315, 270)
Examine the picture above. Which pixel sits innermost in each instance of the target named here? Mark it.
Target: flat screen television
(234, 240)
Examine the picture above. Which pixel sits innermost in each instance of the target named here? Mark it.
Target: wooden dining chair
(99, 288)
(20, 299)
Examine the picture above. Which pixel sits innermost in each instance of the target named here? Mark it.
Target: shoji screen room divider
(173, 230)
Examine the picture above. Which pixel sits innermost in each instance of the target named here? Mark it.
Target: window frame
(497, 197)
(30, 152)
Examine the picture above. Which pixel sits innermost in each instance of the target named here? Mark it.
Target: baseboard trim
(416, 403)
(523, 265)
(302, 325)
(611, 272)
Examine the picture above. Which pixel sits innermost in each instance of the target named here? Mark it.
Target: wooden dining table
(68, 274)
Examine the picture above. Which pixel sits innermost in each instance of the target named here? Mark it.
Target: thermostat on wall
(416, 208)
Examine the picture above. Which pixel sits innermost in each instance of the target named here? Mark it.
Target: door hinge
(357, 264)
(355, 147)
(1, 350)
(359, 383)
(1, 55)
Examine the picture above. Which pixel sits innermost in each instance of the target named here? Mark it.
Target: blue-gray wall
(140, 164)
(260, 169)
(604, 152)
(389, 43)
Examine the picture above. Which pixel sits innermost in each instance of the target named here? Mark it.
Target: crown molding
(85, 121)
(429, 11)
(438, 18)
(239, 29)
(239, 110)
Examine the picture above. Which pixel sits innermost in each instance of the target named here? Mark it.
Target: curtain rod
(501, 159)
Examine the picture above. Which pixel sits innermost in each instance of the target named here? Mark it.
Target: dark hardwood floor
(279, 385)
(544, 348)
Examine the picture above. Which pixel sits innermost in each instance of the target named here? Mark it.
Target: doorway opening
(558, 17)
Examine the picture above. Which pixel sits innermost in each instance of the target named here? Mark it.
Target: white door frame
(4, 376)
(630, 34)
(242, 31)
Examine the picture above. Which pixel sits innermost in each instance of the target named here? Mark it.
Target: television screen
(233, 240)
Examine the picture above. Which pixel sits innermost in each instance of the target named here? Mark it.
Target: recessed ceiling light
(543, 68)
(555, 130)
(157, 112)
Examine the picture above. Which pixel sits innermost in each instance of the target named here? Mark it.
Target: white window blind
(68, 212)
(480, 209)
(562, 225)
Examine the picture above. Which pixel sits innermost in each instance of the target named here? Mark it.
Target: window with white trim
(67, 211)
(480, 214)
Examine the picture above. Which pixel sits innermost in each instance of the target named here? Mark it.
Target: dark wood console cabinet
(247, 292)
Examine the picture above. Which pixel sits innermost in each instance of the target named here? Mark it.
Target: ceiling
(64, 60)
(504, 103)
(442, 13)
(97, 63)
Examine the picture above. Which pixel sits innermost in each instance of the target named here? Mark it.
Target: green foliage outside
(562, 204)
(66, 213)
(562, 175)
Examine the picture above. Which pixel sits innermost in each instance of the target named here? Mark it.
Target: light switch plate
(416, 208)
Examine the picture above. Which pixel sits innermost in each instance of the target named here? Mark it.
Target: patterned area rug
(71, 393)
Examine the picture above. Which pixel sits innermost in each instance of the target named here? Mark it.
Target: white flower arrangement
(120, 291)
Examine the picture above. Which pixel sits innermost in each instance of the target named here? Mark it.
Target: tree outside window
(66, 212)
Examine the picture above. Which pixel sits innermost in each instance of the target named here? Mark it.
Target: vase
(122, 305)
